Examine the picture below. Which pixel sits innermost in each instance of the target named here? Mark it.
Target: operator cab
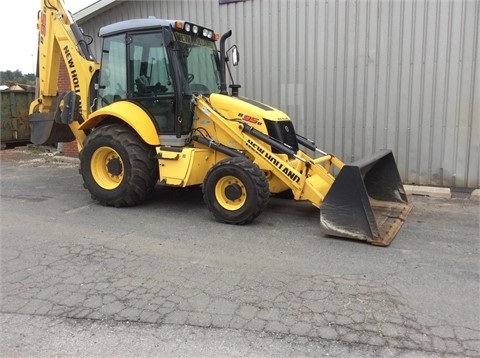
(159, 65)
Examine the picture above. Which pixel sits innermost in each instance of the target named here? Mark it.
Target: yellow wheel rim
(230, 193)
(107, 168)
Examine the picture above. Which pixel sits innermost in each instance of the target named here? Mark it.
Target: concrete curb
(440, 192)
(431, 191)
(475, 195)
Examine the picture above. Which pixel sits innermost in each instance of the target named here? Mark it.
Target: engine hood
(249, 110)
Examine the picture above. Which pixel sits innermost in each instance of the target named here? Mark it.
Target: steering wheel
(190, 77)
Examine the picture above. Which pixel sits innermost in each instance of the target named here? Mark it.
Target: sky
(18, 32)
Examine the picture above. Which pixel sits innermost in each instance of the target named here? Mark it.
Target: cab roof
(134, 24)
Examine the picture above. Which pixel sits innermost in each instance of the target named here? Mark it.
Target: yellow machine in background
(158, 110)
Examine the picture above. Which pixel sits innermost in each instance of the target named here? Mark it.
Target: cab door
(149, 79)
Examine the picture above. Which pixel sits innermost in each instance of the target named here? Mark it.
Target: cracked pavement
(165, 274)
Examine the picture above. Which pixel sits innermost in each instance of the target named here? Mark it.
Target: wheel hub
(107, 168)
(114, 166)
(233, 191)
(230, 193)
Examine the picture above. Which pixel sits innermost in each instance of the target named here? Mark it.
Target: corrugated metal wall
(357, 75)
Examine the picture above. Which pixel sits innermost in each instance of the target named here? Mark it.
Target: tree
(8, 77)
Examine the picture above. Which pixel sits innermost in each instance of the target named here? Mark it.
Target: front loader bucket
(366, 202)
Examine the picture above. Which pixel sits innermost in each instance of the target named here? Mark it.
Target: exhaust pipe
(223, 83)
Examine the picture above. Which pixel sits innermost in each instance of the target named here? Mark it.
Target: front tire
(236, 191)
(117, 167)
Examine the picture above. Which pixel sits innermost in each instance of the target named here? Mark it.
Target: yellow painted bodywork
(185, 168)
(131, 114)
(56, 41)
(190, 165)
(253, 112)
(223, 117)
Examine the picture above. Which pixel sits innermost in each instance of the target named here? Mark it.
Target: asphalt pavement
(164, 279)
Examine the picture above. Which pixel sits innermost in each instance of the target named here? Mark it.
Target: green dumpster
(14, 116)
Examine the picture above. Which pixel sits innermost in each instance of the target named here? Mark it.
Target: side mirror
(235, 56)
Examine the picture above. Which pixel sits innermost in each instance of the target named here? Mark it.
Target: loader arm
(364, 201)
(309, 179)
(53, 117)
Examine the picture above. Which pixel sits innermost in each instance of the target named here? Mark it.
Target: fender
(127, 112)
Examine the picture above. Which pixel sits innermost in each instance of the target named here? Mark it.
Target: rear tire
(236, 191)
(117, 167)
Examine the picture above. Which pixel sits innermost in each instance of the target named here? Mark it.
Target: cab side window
(150, 75)
(113, 74)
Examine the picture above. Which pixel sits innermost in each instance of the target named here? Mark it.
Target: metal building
(354, 75)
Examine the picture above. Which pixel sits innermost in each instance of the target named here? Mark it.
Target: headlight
(207, 33)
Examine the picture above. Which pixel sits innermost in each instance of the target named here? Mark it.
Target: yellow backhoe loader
(157, 110)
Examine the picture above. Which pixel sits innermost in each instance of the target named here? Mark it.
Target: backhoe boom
(60, 37)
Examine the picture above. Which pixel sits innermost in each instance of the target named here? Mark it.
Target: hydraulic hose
(80, 37)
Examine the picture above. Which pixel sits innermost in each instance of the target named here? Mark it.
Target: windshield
(199, 65)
